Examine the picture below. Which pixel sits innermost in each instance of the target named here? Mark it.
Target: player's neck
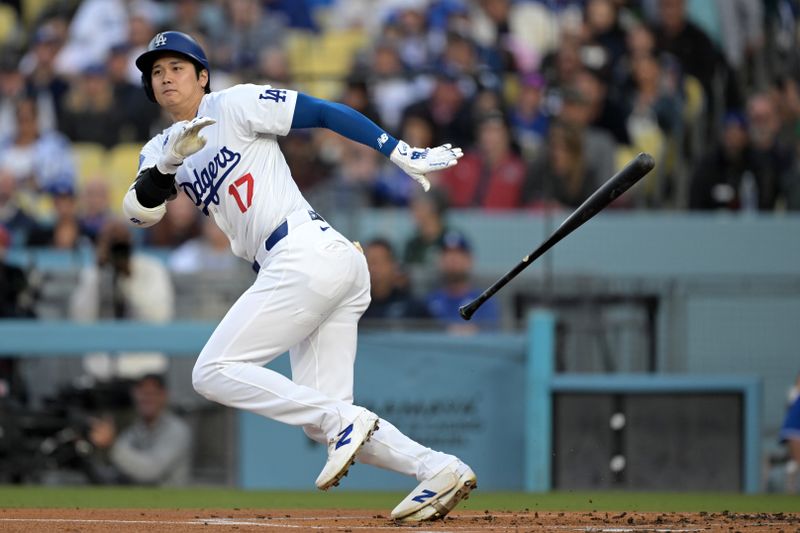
(186, 110)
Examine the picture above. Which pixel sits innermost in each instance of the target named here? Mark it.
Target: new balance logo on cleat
(343, 437)
(325, 228)
(424, 495)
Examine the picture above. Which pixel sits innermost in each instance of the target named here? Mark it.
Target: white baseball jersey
(307, 299)
(240, 177)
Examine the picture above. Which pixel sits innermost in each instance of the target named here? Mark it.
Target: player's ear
(203, 78)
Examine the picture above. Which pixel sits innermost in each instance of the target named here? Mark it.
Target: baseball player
(312, 284)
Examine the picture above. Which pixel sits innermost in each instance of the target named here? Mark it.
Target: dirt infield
(134, 520)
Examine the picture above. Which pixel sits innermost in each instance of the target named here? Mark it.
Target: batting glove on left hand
(417, 162)
(184, 140)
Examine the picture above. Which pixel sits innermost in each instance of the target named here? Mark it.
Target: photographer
(123, 284)
(154, 450)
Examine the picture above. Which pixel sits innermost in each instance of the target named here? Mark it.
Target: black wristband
(154, 188)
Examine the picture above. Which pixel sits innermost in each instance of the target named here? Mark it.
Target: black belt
(280, 232)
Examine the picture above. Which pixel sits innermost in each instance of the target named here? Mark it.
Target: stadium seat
(90, 161)
(8, 22)
(31, 9)
(694, 100)
(319, 62)
(123, 162)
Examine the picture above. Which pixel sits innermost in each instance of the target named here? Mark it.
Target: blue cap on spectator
(735, 118)
(60, 188)
(455, 240)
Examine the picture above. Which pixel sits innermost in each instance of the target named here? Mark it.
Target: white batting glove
(184, 140)
(417, 162)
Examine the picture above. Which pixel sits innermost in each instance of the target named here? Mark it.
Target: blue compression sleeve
(310, 112)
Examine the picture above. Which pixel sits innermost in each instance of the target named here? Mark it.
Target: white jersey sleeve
(261, 109)
(151, 152)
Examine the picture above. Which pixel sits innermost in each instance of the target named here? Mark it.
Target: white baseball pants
(311, 290)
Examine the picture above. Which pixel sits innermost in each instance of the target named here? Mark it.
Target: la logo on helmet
(160, 40)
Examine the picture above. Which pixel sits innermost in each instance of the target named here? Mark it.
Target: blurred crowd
(547, 97)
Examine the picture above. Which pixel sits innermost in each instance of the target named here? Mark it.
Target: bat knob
(465, 311)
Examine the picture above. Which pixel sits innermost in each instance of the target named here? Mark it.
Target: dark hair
(384, 243)
(158, 379)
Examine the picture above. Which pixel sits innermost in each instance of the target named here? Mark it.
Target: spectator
(529, 116)
(598, 146)
(492, 175)
(250, 29)
(392, 89)
(37, 159)
(136, 115)
(273, 67)
(94, 207)
(717, 181)
(357, 95)
(123, 283)
(65, 232)
(12, 216)
(560, 175)
(409, 23)
(428, 211)
(462, 56)
(655, 98)
(141, 24)
(561, 67)
(772, 160)
(448, 109)
(41, 79)
(603, 33)
(211, 252)
(391, 297)
(640, 40)
(680, 37)
(455, 270)
(605, 111)
(12, 88)
(154, 450)
(90, 112)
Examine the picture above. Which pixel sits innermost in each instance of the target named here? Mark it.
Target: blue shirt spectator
(455, 269)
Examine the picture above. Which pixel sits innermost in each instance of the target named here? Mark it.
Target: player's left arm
(310, 112)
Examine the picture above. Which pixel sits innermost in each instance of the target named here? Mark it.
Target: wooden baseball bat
(610, 190)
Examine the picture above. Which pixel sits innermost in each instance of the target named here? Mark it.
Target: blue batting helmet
(170, 41)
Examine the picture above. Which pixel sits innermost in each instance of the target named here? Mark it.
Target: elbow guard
(141, 216)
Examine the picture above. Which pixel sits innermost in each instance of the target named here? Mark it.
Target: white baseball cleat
(343, 449)
(437, 496)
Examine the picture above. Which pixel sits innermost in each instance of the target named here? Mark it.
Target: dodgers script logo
(204, 189)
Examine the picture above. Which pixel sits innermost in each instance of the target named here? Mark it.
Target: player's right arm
(145, 203)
